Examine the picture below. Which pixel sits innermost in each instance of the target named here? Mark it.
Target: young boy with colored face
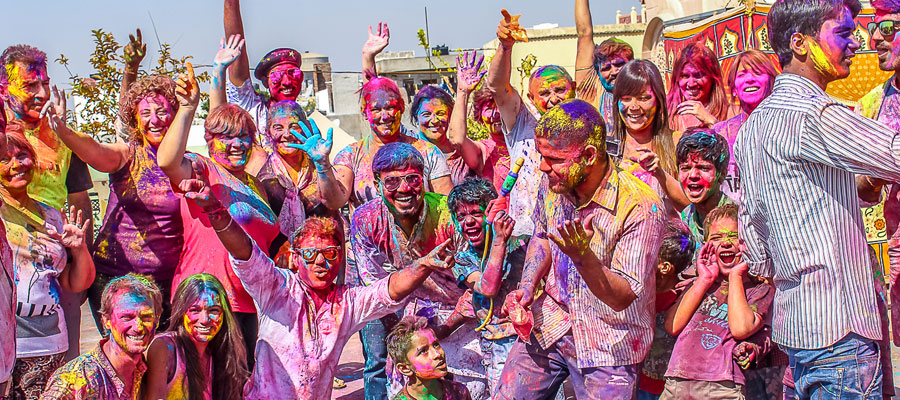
(419, 356)
(702, 157)
(722, 306)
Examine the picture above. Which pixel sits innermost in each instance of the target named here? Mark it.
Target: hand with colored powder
(649, 161)
(707, 265)
(468, 72)
(509, 30)
(503, 228)
(516, 306)
(55, 110)
(134, 52)
(744, 353)
(377, 41)
(574, 238)
(438, 259)
(495, 207)
(312, 143)
(187, 90)
(74, 226)
(197, 189)
(696, 108)
(228, 52)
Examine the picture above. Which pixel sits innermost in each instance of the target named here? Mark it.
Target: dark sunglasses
(310, 254)
(392, 183)
(294, 73)
(887, 27)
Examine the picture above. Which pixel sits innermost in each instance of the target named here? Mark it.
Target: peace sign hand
(134, 52)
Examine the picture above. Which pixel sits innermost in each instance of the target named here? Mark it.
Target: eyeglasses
(618, 63)
(310, 254)
(887, 27)
(293, 73)
(392, 183)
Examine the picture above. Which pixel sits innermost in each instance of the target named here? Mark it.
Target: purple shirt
(142, 231)
(703, 351)
(298, 346)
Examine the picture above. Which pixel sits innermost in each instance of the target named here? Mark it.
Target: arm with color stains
(170, 154)
(228, 53)
(239, 72)
(79, 274)
(743, 322)
(232, 236)
(132, 54)
(406, 280)
(468, 74)
(537, 265)
(489, 283)
(507, 99)
(160, 360)
(374, 45)
(584, 53)
(681, 313)
(331, 190)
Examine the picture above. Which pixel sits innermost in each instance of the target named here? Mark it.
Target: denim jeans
(372, 336)
(495, 352)
(848, 369)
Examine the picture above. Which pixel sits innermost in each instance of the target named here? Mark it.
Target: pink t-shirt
(203, 252)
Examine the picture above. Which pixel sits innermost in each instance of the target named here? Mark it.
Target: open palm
(73, 229)
(312, 143)
(229, 51)
(468, 71)
(377, 40)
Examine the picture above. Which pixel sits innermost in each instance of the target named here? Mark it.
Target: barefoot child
(418, 355)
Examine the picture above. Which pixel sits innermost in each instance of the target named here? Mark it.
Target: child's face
(698, 178)
(723, 233)
(470, 222)
(426, 356)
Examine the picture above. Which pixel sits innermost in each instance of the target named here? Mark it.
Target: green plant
(100, 89)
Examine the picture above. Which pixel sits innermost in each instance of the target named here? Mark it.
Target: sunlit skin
(888, 53)
(564, 165)
(698, 178)
(289, 86)
(490, 117)
(470, 221)
(321, 273)
(383, 110)
(434, 118)
(751, 87)
(723, 234)
(406, 201)
(132, 322)
(549, 89)
(833, 50)
(426, 356)
(16, 169)
(694, 84)
(609, 70)
(637, 112)
(203, 319)
(29, 89)
(280, 125)
(230, 152)
(154, 116)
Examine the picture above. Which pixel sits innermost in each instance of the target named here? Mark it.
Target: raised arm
(170, 155)
(232, 236)
(78, 274)
(234, 25)
(507, 99)
(489, 283)
(132, 54)
(373, 46)
(107, 158)
(584, 53)
(681, 313)
(332, 192)
(467, 78)
(228, 53)
(405, 281)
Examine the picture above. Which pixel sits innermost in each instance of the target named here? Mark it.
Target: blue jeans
(375, 353)
(496, 352)
(642, 395)
(848, 369)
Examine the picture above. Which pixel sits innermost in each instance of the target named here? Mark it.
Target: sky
(336, 28)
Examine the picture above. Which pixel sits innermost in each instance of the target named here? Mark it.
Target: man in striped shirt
(597, 232)
(800, 219)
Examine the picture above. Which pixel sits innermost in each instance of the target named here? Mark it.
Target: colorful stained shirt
(177, 385)
(452, 391)
(497, 161)
(669, 209)
(38, 261)
(694, 222)
(203, 252)
(299, 346)
(291, 200)
(627, 221)
(7, 309)
(468, 262)
(51, 166)
(358, 158)
(459, 170)
(729, 129)
(520, 139)
(142, 231)
(92, 376)
(256, 105)
(381, 247)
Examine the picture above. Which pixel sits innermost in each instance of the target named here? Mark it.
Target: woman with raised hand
(49, 255)
(697, 95)
(142, 230)
(202, 355)
(230, 132)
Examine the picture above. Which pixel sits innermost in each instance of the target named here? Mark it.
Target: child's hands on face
(744, 353)
(707, 264)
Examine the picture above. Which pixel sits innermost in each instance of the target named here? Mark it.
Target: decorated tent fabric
(730, 33)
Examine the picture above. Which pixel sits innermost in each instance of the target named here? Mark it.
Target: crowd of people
(696, 238)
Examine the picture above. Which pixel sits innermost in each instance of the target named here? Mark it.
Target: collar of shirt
(110, 371)
(796, 83)
(607, 193)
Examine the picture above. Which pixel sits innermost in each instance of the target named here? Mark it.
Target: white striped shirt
(799, 210)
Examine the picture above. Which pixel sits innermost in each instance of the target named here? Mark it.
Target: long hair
(229, 372)
(702, 58)
(632, 79)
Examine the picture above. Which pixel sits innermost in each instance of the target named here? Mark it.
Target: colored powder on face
(820, 60)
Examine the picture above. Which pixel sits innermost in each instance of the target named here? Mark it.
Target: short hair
(20, 53)
(147, 86)
(704, 59)
(375, 84)
(480, 100)
(573, 121)
(757, 61)
(610, 48)
(399, 340)
(320, 227)
(15, 136)
(677, 248)
(787, 17)
(228, 119)
(141, 285)
(428, 92)
(554, 68)
(729, 210)
(474, 190)
(705, 142)
(396, 155)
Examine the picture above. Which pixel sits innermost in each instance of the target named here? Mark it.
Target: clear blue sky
(336, 28)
